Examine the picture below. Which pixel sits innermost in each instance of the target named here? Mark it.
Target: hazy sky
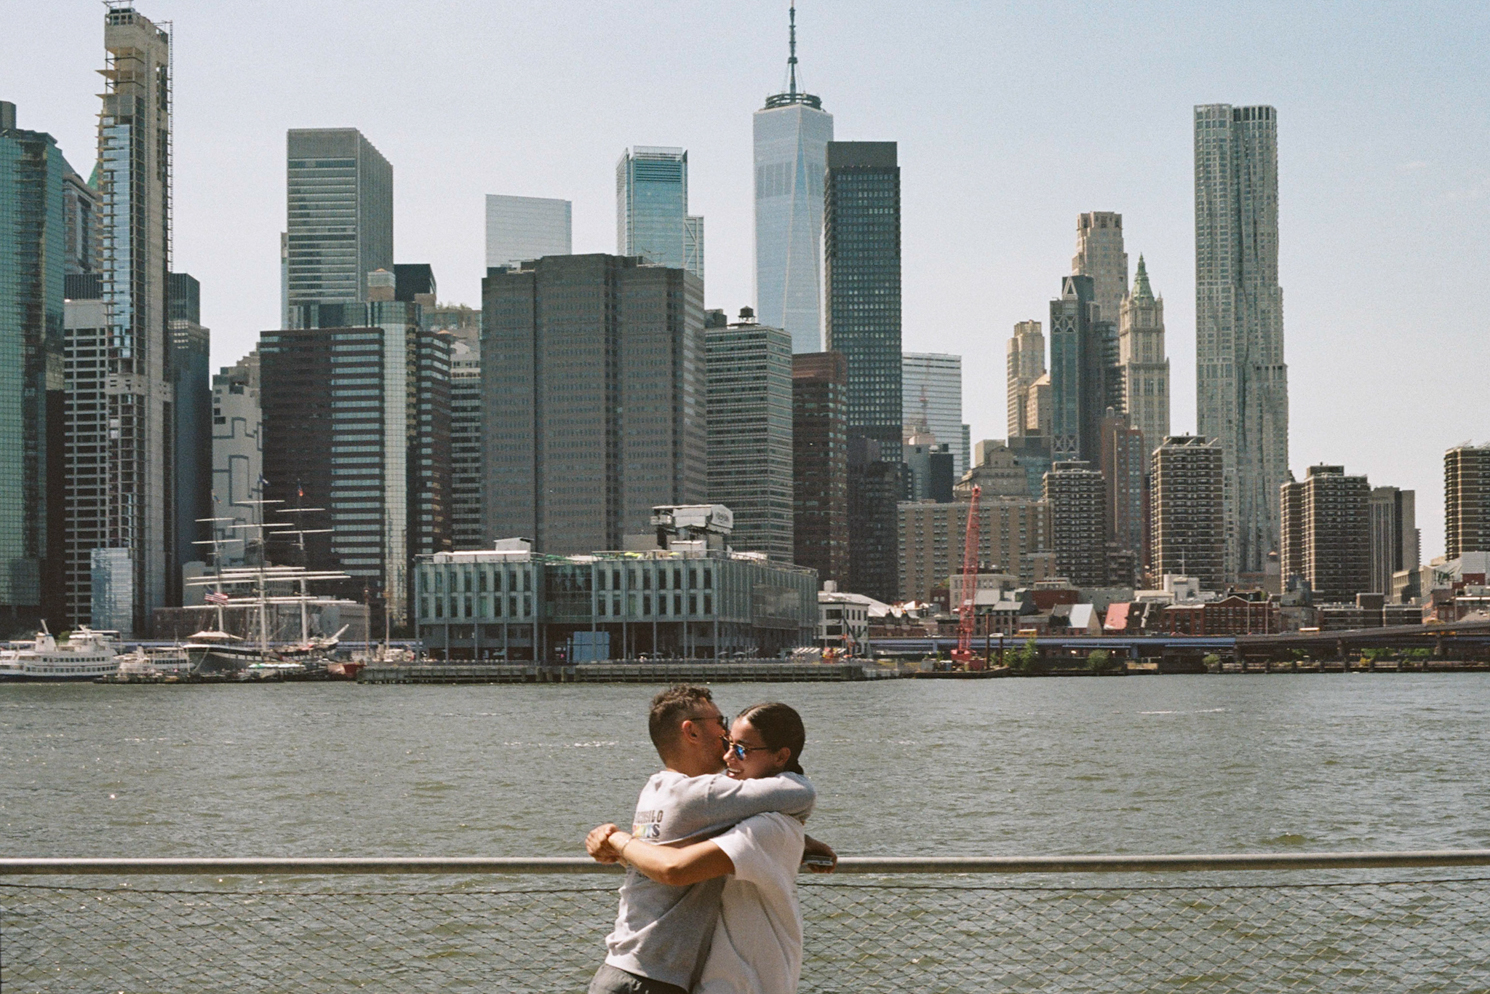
(1012, 118)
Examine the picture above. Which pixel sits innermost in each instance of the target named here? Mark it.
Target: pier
(684, 671)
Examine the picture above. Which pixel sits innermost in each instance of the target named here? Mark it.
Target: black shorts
(610, 980)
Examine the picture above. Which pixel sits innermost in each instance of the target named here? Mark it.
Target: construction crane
(963, 654)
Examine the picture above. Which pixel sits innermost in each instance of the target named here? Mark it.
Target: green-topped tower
(1145, 369)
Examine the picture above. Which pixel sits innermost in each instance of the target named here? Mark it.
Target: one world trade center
(791, 144)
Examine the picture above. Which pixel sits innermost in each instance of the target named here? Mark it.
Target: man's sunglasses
(740, 750)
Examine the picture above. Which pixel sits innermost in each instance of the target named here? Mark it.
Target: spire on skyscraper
(791, 60)
(1141, 289)
(791, 96)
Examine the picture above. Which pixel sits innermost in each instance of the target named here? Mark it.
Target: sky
(1011, 118)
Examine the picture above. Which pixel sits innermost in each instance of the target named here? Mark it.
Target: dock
(686, 671)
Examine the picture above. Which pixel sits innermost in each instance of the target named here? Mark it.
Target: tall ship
(256, 589)
(85, 655)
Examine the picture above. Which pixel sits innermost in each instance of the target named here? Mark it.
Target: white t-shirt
(757, 947)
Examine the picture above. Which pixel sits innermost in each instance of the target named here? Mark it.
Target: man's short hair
(671, 708)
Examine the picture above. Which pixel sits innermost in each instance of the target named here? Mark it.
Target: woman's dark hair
(780, 727)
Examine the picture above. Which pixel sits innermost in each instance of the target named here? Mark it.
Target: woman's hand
(817, 856)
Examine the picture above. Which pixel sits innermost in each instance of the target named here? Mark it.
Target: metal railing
(1351, 922)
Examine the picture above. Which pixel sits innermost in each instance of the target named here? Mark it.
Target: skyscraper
(820, 463)
(1394, 535)
(1145, 369)
(594, 393)
(1187, 537)
(1100, 255)
(340, 216)
(120, 491)
(191, 372)
(652, 218)
(750, 431)
(522, 228)
(931, 398)
(1125, 472)
(792, 133)
(1084, 375)
(466, 425)
(1466, 498)
(1325, 533)
(1241, 378)
(33, 236)
(1026, 364)
(861, 232)
(861, 251)
(356, 422)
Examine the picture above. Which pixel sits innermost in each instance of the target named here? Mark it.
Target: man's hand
(598, 847)
(815, 854)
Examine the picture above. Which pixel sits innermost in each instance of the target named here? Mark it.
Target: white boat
(86, 655)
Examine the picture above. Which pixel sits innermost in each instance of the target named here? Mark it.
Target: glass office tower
(339, 199)
(791, 151)
(861, 235)
(32, 236)
(652, 217)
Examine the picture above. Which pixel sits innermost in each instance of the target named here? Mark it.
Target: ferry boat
(86, 655)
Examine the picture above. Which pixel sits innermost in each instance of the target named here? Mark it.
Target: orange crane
(963, 654)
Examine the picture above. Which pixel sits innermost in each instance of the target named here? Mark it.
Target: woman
(757, 945)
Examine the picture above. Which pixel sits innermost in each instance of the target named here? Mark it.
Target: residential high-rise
(1014, 537)
(523, 228)
(1326, 533)
(820, 463)
(652, 218)
(33, 254)
(1241, 379)
(120, 460)
(191, 371)
(1026, 364)
(356, 422)
(1186, 532)
(931, 398)
(237, 453)
(1077, 499)
(1466, 497)
(339, 218)
(1394, 535)
(1125, 472)
(750, 431)
(466, 428)
(594, 394)
(1100, 255)
(861, 249)
(792, 133)
(1084, 376)
(1145, 369)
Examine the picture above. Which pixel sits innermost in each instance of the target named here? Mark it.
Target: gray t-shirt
(662, 931)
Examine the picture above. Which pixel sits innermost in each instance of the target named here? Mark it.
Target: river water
(995, 767)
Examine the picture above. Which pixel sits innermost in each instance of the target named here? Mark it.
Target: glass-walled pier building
(511, 604)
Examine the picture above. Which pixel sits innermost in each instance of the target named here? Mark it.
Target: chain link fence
(867, 932)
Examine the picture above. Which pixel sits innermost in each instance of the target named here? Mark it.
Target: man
(662, 932)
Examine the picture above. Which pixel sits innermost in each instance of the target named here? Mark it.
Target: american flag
(216, 597)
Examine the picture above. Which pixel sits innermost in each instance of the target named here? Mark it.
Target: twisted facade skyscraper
(1241, 378)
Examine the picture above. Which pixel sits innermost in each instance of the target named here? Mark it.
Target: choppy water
(1161, 764)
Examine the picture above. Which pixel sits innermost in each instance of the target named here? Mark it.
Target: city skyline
(1012, 199)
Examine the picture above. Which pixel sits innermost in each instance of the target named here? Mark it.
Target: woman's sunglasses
(740, 750)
